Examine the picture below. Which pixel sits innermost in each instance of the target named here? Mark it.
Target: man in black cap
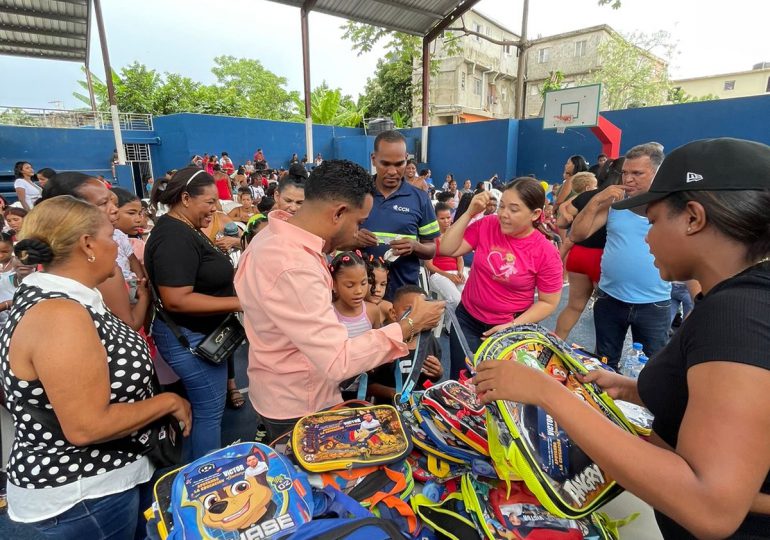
(631, 292)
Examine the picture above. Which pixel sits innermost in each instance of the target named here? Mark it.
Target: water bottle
(628, 363)
(640, 363)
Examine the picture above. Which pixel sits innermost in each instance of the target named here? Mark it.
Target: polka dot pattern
(41, 456)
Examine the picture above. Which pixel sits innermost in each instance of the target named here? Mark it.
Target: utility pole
(521, 71)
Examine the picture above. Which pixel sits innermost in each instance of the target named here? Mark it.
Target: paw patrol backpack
(246, 490)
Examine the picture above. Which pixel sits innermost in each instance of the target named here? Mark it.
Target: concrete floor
(241, 424)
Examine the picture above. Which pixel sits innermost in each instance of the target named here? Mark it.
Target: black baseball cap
(723, 164)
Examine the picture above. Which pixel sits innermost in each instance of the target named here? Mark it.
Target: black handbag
(161, 442)
(216, 347)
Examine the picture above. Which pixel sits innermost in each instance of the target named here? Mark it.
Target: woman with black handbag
(78, 382)
(194, 329)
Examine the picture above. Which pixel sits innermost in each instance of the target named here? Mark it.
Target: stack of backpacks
(437, 464)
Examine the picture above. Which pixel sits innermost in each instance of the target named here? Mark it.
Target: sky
(184, 36)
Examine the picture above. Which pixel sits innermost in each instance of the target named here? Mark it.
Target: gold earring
(689, 229)
(91, 258)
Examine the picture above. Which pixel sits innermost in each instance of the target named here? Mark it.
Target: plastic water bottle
(640, 363)
(628, 363)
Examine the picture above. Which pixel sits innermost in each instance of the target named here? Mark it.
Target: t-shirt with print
(386, 373)
(176, 255)
(507, 271)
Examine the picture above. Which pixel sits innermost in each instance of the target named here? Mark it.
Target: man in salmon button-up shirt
(298, 352)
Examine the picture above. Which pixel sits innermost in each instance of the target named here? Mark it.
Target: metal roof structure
(52, 29)
(417, 17)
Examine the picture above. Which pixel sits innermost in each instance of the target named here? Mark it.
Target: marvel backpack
(525, 442)
(245, 490)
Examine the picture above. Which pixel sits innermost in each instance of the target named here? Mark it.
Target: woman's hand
(479, 203)
(182, 412)
(617, 386)
(496, 329)
(511, 381)
(141, 289)
(432, 367)
(226, 243)
(426, 315)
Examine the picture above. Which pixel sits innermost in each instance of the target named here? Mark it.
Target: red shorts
(583, 260)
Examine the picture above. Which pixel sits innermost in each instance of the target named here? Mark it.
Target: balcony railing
(58, 118)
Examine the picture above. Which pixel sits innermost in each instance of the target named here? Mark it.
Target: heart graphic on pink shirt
(503, 266)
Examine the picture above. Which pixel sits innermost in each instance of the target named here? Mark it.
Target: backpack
(243, 490)
(525, 442)
(350, 438)
(509, 512)
(458, 407)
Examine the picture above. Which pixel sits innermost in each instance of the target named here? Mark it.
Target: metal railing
(59, 118)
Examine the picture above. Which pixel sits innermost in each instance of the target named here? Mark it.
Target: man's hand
(403, 246)
(610, 195)
(479, 203)
(432, 367)
(426, 314)
(226, 243)
(366, 239)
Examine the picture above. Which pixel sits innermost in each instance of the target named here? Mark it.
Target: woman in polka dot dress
(75, 376)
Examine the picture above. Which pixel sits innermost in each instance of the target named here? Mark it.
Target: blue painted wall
(87, 150)
(545, 152)
(476, 150)
(184, 135)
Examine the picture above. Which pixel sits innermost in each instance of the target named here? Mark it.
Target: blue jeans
(680, 296)
(114, 517)
(472, 329)
(205, 383)
(649, 326)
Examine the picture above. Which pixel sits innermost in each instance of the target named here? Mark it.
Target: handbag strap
(164, 316)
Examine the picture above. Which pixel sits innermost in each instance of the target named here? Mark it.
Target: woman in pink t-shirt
(512, 260)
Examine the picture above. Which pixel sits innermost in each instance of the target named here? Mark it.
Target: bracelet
(410, 322)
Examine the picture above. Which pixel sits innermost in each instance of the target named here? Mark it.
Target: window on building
(730, 85)
(580, 48)
(534, 90)
(462, 81)
(504, 94)
(477, 86)
(767, 89)
(543, 55)
(478, 28)
(507, 49)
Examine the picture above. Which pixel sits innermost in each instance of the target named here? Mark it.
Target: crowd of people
(334, 272)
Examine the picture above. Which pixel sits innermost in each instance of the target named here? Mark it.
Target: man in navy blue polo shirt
(402, 219)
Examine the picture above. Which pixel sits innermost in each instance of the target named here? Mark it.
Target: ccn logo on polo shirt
(403, 209)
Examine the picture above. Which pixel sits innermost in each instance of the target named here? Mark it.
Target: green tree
(677, 95)
(329, 107)
(631, 75)
(243, 88)
(253, 91)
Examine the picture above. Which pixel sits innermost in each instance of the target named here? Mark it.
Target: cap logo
(694, 177)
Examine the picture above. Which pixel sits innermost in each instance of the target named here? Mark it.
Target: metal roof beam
(413, 9)
(42, 46)
(50, 56)
(41, 31)
(455, 14)
(24, 12)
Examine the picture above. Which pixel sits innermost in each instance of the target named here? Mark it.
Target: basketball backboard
(572, 107)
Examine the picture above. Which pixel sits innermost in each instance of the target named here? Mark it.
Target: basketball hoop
(561, 121)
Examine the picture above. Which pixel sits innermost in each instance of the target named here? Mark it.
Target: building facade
(754, 82)
(476, 78)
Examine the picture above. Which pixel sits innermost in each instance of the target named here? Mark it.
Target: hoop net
(562, 121)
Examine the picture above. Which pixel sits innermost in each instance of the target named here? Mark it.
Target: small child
(350, 286)
(9, 279)
(382, 380)
(130, 219)
(377, 268)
